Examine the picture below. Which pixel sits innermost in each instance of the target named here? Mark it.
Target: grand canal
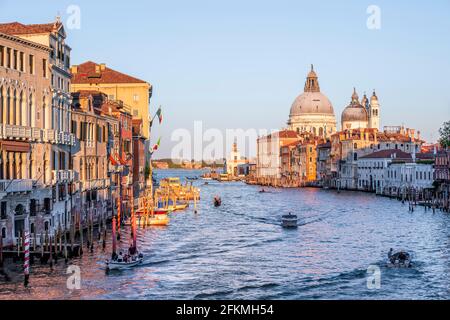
(239, 251)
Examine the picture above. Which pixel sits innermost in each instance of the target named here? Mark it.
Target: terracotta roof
(92, 73)
(16, 28)
(425, 156)
(383, 154)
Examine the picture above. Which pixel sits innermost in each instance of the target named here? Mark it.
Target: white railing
(62, 176)
(18, 185)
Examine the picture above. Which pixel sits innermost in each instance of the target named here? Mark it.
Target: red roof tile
(398, 154)
(91, 73)
(16, 28)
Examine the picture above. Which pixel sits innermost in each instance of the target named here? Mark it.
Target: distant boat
(289, 221)
(191, 178)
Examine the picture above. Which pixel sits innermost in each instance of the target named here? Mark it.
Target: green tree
(445, 135)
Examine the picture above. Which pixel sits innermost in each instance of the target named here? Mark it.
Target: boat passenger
(120, 257)
(391, 251)
(131, 250)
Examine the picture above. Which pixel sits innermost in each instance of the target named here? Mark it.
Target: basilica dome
(312, 111)
(311, 102)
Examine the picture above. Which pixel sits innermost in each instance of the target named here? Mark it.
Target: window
(135, 113)
(44, 68)
(31, 64)
(3, 211)
(8, 58)
(22, 62)
(15, 59)
(2, 56)
(135, 97)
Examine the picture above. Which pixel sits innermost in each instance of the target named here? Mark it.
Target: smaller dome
(352, 113)
(355, 111)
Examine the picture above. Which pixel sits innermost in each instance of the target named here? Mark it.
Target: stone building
(234, 160)
(268, 165)
(36, 120)
(139, 161)
(90, 160)
(312, 111)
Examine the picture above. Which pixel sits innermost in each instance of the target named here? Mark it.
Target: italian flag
(156, 146)
(159, 114)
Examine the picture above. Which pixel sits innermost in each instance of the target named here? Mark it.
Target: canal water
(239, 251)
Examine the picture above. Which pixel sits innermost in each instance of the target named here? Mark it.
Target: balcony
(61, 176)
(17, 132)
(18, 185)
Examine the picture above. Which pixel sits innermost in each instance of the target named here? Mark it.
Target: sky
(240, 64)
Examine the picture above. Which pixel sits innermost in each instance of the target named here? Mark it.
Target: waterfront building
(289, 166)
(134, 93)
(312, 111)
(90, 157)
(233, 161)
(324, 172)
(35, 84)
(442, 177)
(408, 177)
(246, 169)
(268, 165)
(139, 160)
(372, 168)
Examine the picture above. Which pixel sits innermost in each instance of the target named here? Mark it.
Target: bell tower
(374, 112)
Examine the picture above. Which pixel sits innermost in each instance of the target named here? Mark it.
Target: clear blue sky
(241, 65)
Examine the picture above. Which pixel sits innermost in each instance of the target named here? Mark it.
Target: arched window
(44, 114)
(46, 226)
(8, 106)
(32, 228)
(14, 107)
(21, 108)
(355, 156)
(355, 146)
(320, 131)
(30, 107)
(4, 233)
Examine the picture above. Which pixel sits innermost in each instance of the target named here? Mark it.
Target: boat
(181, 206)
(399, 259)
(128, 261)
(223, 177)
(132, 262)
(191, 178)
(156, 220)
(289, 221)
(217, 201)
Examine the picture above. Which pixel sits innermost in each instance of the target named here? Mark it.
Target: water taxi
(289, 221)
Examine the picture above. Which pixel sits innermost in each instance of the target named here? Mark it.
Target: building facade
(35, 84)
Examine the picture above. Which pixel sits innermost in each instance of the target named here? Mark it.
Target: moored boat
(124, 264)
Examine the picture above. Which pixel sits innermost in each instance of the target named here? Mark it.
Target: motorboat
(116, 264)
(155, 220)
(289, 221)
(399, 259)
(191, 178)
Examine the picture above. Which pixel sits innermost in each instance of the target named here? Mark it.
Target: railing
(62, 176)
(18, 185)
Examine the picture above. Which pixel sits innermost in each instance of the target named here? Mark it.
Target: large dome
(311, 103)
(312, 111)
